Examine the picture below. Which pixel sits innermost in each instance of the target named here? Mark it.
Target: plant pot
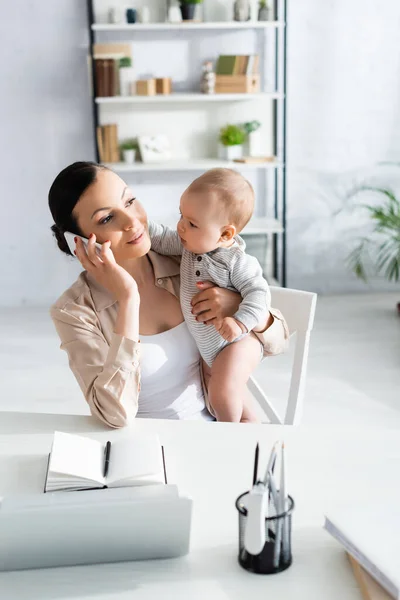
(126, 77)
(187, 11)
(129, 156)
(264, 14)
(230, 152)
(254, 143)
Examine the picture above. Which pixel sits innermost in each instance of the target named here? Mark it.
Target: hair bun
(61, 241)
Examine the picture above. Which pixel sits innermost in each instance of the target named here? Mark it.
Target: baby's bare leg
(229, 375)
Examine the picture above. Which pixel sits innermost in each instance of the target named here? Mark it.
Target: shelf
(257, 226)
(187, 97)
(188, 165)
(187, 26)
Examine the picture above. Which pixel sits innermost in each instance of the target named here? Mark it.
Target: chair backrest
(298, 308)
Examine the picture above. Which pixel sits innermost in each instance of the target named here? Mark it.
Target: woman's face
(109, 209)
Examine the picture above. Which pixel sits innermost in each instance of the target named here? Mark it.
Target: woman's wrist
(127, 323)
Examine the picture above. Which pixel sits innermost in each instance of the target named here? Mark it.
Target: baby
(214, 209)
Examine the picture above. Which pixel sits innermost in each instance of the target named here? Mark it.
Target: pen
(282, 508)
(107, 451)
(285, 503)
(271, 462)
(255, 465)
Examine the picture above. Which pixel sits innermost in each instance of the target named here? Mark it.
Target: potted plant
(129, 149)
(263, 11)
(382, 246)
(126, 76)
(231, 138)
(252, 129)
(188, 8)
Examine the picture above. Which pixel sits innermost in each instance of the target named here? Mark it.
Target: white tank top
(170, 376)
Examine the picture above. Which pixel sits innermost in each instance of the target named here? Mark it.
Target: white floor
(353, 373)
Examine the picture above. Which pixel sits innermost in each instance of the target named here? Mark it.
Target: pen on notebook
(255, 465)
(107, 451)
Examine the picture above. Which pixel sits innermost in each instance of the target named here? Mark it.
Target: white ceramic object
(241, 10)
(126, 77)
(129, 156)
(115, 15)
(144, 14)
(174, 13)
(254, 143)
(230, 152)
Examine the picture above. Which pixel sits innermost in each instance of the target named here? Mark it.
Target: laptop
(95, 526)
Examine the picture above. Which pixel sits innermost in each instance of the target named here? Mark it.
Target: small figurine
(241, 10)
(207, 84)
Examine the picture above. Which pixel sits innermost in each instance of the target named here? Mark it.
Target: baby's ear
(228, 232)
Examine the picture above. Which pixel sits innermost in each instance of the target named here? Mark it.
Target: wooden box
(146, 87)
(237, 84)
(164, 85)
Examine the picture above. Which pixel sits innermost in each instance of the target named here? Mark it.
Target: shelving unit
(137, 27)
(188, 165)
(187, 97)
(273, 226)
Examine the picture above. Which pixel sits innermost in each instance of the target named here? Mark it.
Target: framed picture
(154, 148)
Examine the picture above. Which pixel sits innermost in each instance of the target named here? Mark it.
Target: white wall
(343, 116)
(45, 123)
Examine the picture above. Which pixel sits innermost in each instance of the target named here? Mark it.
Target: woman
(120, 322)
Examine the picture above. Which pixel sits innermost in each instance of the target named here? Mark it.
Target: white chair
(298, 308)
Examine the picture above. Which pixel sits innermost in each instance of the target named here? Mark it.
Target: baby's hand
(230, 329)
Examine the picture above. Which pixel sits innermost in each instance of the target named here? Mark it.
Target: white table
(214, 462)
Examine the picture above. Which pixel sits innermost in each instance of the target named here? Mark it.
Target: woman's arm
(216, 303)
(108, 374)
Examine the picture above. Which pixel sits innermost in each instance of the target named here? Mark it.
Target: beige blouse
(107, 365)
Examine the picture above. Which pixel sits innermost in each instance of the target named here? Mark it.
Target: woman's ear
(228, 233)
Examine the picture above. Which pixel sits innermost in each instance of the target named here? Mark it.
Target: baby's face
(202, 222)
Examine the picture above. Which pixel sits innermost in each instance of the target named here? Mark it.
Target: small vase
(187, 11)
(131, 15)
(144, 14)
(129, 156)
(264, 13)
(241, 10)
(115, 15)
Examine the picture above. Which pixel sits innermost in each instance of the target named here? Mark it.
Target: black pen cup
(276, 555)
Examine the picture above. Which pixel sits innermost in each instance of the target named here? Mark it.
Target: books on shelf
(106, 64)
(79, 463)
(107, 143)
(237, 64)
(370, 536)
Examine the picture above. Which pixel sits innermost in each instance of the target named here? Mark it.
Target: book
(78, 463)
(370, 589)
(370, 535)
(226, 64)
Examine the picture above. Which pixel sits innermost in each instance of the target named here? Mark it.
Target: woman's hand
(212, 303)
(105, 270)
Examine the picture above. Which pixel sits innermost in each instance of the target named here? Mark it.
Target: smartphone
(71, 242)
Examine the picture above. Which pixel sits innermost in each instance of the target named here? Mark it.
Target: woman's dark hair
(67, 188)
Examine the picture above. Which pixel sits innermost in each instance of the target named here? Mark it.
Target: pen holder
(276, 555)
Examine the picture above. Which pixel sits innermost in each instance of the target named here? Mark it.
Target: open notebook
(78, 463)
